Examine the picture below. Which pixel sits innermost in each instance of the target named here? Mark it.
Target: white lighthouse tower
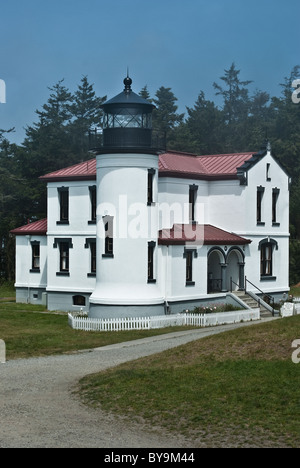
(127, 211)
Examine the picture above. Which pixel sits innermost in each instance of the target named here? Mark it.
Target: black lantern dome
(127, 124)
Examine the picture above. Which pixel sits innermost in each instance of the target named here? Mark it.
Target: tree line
(59, 138)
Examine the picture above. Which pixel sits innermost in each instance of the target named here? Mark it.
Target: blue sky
(181, 44)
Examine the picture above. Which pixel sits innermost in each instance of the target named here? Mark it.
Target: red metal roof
(181, 162)
(224, 163)
(171, 164)
(219, 166)
(199, 234)
(38, 228)
(83, 171)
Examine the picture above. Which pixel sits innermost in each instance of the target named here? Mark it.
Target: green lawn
(240, 387)
(30, 331)
(7, 290)
(295, 291)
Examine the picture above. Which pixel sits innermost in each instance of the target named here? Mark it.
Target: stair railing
(271, 298)
(236, 284)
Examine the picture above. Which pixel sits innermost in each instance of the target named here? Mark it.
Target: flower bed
(214, 308)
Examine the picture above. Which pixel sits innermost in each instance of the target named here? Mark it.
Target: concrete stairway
(252, 303)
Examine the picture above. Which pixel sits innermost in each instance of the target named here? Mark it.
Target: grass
(295, 291)
(29, 331)
(239, 387)
(7, 290)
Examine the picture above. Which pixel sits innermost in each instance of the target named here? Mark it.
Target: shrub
(214, 308)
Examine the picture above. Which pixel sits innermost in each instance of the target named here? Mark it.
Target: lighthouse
(127, 211)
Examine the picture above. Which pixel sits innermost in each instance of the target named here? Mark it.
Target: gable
(242, 171)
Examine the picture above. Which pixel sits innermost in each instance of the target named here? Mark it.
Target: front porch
(225, 269)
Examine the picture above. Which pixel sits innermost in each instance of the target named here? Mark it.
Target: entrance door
(214, 272)
(235, 269)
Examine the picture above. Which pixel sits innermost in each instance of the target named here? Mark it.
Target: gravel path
(38, 409)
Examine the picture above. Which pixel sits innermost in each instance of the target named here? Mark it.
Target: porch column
(241, 275)
(224, 277)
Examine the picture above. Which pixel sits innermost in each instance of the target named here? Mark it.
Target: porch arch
(216, 269)
(235, 260)
(239, 252)
(220, 253)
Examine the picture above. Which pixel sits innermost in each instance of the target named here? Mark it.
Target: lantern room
(127, 123)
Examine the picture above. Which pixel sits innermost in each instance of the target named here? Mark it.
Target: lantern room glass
(127, 118)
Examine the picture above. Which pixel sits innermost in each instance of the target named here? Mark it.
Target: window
(189, 254)
(151, 173)
(91, 244)
(192, 202)
(189, 267)
(93, 204)
(275, 195)
(266, 260)
(267, 247)
(64, 257)
(63, 194)
(109, 241)
(78, 300)
(64, 246)
(127, 118)
(259, 204)
(35, 261)
(93, 257)
(151, 247)
(268, 178)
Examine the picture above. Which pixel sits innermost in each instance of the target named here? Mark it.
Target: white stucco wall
(234, 208)
(79, 208)
(173, 199)
(24, 277)
(122, 193)
(78, 230)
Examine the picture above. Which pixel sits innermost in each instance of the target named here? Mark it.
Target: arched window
(266, 247)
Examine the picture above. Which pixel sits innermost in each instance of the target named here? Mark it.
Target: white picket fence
(161, 321)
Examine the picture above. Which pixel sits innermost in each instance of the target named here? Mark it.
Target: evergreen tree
(87, 115)
(235, 95)
(259, 121)
(235, 108)
(204, 127)
(165, 116)
(58, 139)
(286, 143)
(12, 192)
(47, 145)
(144, 93)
